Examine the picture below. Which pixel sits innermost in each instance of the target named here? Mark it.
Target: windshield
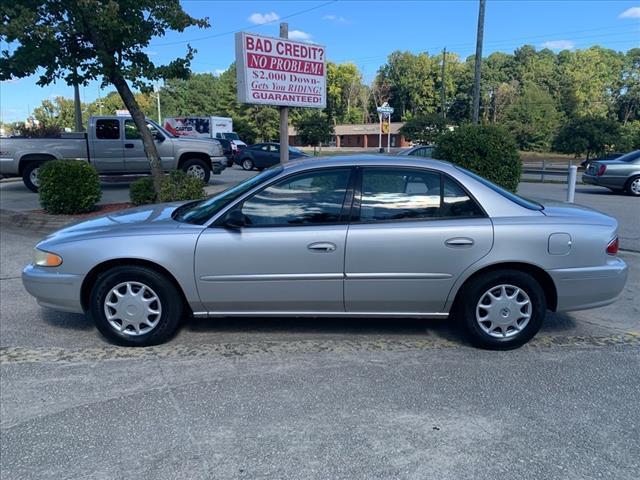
(165, 132)
(231, 136)
(629, 157)
(200, 212)
(523, 202)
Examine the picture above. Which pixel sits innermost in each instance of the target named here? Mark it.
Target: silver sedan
(355, 236)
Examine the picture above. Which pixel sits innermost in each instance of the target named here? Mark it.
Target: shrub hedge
(68, 187)
(488, 150)
(177, 186)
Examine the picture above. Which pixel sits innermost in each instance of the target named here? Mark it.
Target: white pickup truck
(113, 145)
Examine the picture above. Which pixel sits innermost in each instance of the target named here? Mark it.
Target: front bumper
(60, 291)
(589, 287)
(218, 164)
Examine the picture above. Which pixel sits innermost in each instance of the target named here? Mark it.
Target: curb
(37, 222)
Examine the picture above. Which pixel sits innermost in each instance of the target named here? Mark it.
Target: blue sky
(365, 32)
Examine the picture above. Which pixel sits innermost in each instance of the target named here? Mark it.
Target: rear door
(106, 145)
(289, 258)
(414, 232)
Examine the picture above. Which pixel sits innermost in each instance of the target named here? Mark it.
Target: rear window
(523, 202)
(629, 157)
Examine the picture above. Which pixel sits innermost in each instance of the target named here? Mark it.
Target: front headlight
(46, 259)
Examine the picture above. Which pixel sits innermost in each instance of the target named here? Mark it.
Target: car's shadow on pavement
(70, 321)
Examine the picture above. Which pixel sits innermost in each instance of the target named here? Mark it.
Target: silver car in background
(620, 174)
(363, 236)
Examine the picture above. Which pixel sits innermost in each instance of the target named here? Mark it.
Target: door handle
(322, 247)
(129, 145)
(459, 242)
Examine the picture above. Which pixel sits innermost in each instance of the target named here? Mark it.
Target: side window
(274, 148)
(108, 129)
(307, 199)
(264, 148)
(456, 202)
(399, 194)
(131, 132)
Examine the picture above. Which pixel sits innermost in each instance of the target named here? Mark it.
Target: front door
(415, 233)
(289, 258)
(135, 158)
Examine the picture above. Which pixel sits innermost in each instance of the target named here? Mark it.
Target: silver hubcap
(196, 171)
(503, 311)
(247, 164)
(33, 176)
(132, 308)
(635, 186)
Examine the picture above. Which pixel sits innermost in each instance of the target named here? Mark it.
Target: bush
(141, 191)
(423, 129)
(488, 150)
(68, 187)
(177, 186)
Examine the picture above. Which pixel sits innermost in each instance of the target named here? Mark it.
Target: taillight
(601, 169)
(612, 248)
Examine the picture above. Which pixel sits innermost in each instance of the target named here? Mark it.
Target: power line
(231, 32)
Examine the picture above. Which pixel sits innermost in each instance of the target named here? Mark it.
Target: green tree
(314, 127)
(488, 150)
(587, 135)
(345, 93)
(58, 112)
(533, 119)
(423, 129)
(629, 137)
(83, 40)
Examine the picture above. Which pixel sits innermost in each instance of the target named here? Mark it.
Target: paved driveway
(315, 399)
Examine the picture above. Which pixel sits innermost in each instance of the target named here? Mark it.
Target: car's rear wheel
(502, 310)
(135, 306)
(30, 176)
(633, 186)
(247, 164)
(197, 168)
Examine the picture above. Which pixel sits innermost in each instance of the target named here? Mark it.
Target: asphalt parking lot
(292, 398)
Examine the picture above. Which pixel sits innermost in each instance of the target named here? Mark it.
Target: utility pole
(77, 107)
(478, 63)
(156, 88)
(284, 112)
(442, 87)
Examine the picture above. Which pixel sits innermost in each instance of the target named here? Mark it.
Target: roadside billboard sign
(280, 72)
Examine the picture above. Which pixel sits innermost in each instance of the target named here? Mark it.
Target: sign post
(284, 112)
(282, 73)
(384, 112)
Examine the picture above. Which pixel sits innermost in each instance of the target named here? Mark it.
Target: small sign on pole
(384, 114)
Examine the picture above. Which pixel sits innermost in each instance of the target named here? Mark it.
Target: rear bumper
(60, 291)
(589, 287)
(604, 181)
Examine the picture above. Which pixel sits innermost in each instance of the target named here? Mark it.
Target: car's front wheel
(633, 186)
(135, 306)
(247, 164)
(503, 310)
(197, 168)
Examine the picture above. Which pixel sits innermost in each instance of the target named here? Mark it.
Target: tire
(477, 294)
(633, 186)
(161, 326)
(247, 164)
(30, 176)
(198, 168)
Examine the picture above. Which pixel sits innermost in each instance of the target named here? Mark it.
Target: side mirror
(159, 137)
(235, 219)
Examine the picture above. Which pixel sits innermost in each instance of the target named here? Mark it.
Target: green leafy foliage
(141, 191)
(488, 150)
(313, 127)
(423, 129)
(177, 186)
(629, 137)
(533, 119)
(68, 187)
(587, 135)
